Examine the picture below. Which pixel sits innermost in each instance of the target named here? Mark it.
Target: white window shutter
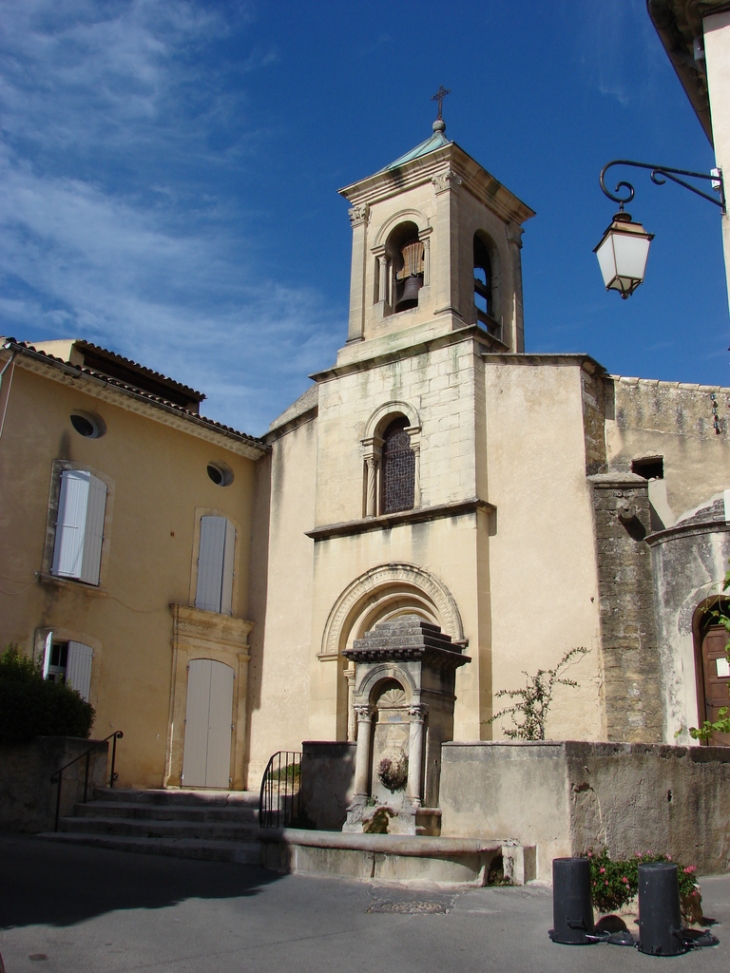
(78, 667)
(79, 526)
(211, 556)
(68, 550)
(227, 583)
(94, 532)
(47, 649)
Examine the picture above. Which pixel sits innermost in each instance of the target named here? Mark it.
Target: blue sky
(170, 168)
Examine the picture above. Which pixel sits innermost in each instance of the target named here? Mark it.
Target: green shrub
(615, 883)
(31, 706)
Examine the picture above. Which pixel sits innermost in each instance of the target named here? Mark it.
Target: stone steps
(128, 810)
(240, 852)
(223, 826)
(177, 796)
(151, 828)
(210, 825)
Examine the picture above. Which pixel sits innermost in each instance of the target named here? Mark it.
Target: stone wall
(631, 670)
(689, 561)
(328, 777)
(27, 796)
(567, 797)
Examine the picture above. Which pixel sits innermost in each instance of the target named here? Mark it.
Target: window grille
(399, 468)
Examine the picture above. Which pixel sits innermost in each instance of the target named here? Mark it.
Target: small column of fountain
(404, 706)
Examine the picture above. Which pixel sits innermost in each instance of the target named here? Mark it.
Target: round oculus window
(220, 474)
(87, 425)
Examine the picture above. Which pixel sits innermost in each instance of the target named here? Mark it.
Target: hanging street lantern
(622, 254)
(624, 249)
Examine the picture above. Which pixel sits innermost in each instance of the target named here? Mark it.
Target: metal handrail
(57, 778)
(280, 798)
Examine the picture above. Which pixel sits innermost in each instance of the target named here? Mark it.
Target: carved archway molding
(385, 592)
(402, 216)
(385, 411)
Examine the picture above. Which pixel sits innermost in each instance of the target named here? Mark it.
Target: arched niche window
(399, 468)
(405, 255)
(484, 290)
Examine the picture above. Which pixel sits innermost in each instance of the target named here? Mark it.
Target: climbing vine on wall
(532, 702)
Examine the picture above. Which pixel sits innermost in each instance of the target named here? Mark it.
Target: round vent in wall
(220, 474)
(88, 425)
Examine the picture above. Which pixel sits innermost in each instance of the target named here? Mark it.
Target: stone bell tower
(402, 505)
(436, 247)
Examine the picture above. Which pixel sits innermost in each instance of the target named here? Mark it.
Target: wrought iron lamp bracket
(659, 175)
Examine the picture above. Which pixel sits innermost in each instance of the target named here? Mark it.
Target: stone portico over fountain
(404, 705)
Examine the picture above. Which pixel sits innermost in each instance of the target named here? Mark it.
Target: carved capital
(514, 234)
(446, 180)
(359, 214)
(417, 712)
(363, 712)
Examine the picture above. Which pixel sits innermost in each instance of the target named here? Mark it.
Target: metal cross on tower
(439, 97)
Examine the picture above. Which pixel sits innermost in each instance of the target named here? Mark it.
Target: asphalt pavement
(87, 910)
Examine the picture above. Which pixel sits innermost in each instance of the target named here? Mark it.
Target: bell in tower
(409, 279)
(436, 248)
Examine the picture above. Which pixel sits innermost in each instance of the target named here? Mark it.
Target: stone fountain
(404, 705)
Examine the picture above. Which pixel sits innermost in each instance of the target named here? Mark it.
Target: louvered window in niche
(399, 468)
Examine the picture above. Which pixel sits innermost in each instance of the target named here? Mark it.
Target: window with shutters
(79, 530)
(216, 549)
(69, 662)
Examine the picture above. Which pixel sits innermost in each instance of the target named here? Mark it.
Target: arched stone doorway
(712, 670)
(381, 594)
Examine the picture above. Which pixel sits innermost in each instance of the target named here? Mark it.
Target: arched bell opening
(406, 257)
(485, 285)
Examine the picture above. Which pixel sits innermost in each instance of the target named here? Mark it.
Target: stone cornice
(132, 401)
(618, 480)
(349, 528)
(464, 171)
(687, 530)
(587, 363)
(197, 626)
(468, 333)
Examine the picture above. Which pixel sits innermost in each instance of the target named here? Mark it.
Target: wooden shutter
(228, 562)
(196, 723)
(218, 751)
(94, 531)
(78, 667)
(79, 526)
(68, 550)
(211, 557)
(47, 649)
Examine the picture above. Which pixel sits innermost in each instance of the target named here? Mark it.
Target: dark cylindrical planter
(660, 919)
(572, 907)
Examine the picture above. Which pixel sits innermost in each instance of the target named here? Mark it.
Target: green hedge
(31, 706)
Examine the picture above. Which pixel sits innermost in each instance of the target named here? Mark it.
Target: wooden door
(716, 679)
(208, 725)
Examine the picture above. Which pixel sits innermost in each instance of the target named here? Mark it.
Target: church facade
(524, 504)
(514, 500)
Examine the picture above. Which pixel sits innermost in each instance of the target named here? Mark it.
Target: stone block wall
(568, 797)
(328, 777)
(27, 796)
(631, 667)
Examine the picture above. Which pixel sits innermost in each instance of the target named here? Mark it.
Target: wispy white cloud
(114, 227)
(612, 40)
